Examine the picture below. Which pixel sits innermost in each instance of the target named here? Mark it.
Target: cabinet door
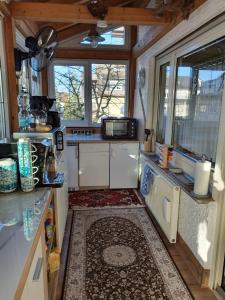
(72, 167)
(124, 165)
(94, 165)
(35, 287)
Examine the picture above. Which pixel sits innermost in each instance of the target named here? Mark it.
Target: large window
(190, 92)
(198, 99)
(88, 91)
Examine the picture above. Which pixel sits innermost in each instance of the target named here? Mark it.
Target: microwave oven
(119, 128)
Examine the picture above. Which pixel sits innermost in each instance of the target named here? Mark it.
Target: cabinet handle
(38, 268)
(76, 155)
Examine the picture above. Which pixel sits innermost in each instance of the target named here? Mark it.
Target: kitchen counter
(21, 217)
(93, 139)
(176, 178)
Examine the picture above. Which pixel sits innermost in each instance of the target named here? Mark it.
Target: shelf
(187, 188)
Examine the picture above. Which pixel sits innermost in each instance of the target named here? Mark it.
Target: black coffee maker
(43, 104)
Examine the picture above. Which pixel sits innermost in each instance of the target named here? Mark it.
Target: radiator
(163, 202)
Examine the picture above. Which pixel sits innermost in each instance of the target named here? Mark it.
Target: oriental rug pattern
(117, 254)
(104, 199)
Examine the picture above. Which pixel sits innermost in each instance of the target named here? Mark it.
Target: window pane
(23, 82)
(69, 91)
(198, 98)
(163, 103)
(108, 91)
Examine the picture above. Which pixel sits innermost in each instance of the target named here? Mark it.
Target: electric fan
(41, 49)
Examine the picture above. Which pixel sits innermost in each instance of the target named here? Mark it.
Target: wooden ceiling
(64, 23)
(71, 18)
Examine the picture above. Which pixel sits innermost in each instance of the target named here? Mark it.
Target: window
(69, 91)
(88, 91)
(163, 102)
(23, 81)
(198, 100)
(108, 91)
(114, 37)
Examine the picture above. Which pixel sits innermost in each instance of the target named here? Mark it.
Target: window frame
(5, 108)
(159, 63)
(88, 92)
(172, 55)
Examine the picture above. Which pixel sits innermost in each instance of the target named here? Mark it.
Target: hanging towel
(147, 180)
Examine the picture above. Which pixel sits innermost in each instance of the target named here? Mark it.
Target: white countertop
(17, 233)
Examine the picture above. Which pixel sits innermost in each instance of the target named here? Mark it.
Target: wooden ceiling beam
(79, 13)
(92, 54)
(26, 28)
(4, 9)
(57, 26)
(143, 3)
(75, 30)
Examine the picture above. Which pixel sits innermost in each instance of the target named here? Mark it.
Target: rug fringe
(106, 207)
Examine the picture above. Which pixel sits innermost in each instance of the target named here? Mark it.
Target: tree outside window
(107, 90)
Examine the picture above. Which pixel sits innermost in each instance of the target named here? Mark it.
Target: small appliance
(53, 119)
(119, 128)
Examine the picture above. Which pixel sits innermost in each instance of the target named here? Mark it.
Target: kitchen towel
(147, 180)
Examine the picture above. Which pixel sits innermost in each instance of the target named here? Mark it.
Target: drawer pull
(38, 268)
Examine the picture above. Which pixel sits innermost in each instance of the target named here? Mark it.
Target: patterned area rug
(116, 254)
(104, 199)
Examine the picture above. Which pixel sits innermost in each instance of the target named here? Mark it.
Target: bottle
(51, 165)
(23, 115)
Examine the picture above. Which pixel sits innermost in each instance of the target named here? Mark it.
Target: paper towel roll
(202, 175)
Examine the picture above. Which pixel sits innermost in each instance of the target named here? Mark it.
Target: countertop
(20, 218)
(93, 138)
(187, 188)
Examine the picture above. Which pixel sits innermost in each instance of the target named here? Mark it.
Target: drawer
(93, 147)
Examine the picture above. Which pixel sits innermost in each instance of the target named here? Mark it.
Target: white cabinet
(124, 159)
(94, 165)
(35, 284)
(72, 166)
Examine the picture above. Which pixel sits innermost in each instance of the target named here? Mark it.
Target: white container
(202, 176)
